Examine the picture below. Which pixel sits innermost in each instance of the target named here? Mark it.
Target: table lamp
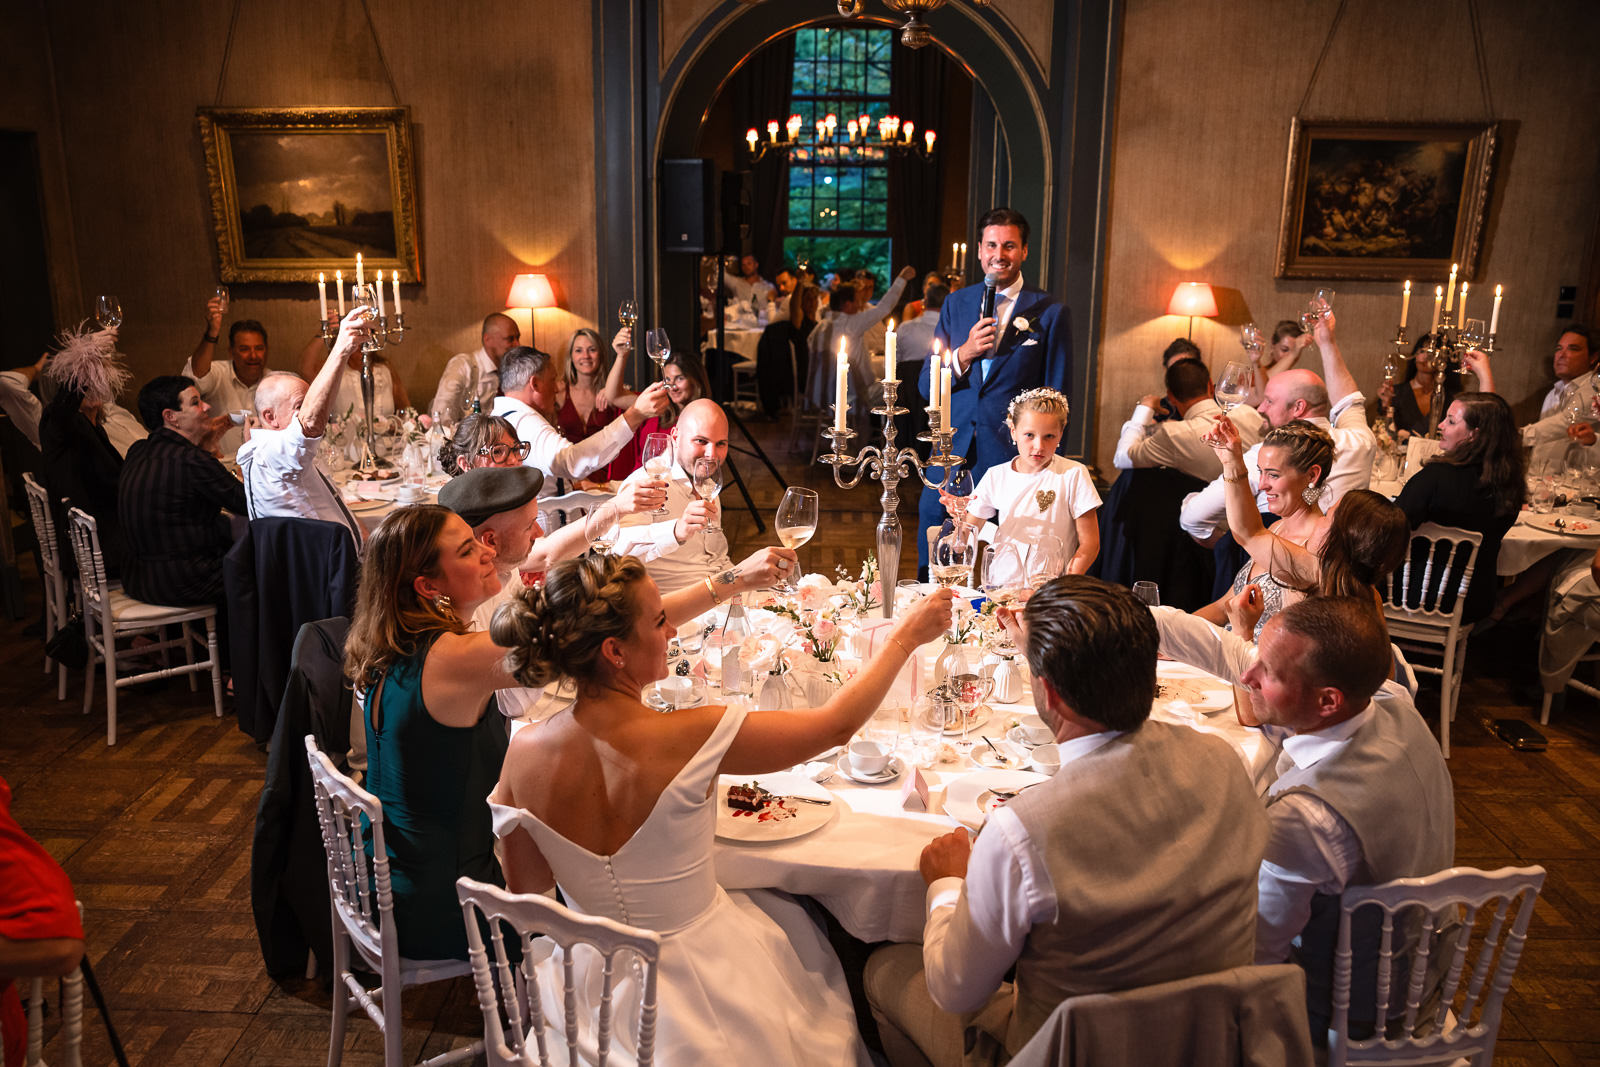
(532, 291)
(1192, 299)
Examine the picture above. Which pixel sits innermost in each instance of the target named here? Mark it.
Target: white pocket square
(1029, 341)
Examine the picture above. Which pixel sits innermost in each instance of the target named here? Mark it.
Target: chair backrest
(528, 917)
(362, 894)
(44, 526)
(84, 533)
(1461, 911)
(1432, 580)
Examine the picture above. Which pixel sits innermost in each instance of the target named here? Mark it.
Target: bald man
(686, 545)
(473, 376)
(1336, 405)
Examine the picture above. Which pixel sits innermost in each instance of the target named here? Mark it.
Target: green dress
(434, 782)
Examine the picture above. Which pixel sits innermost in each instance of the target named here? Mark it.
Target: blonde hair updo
(556, 629)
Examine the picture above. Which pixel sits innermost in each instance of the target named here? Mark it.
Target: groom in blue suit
(1026, 343)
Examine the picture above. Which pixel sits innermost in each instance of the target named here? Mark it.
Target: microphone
(986, 308)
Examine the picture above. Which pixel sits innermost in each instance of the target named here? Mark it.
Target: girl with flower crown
(1039, 493)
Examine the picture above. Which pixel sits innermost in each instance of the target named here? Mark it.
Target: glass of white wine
(658, 346)
(707, 484)
(600, 531)
(657, 460)
(796, 522)
(108, 311)
(628, 317)
(1047, 560)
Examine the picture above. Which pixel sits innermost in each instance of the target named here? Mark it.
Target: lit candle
(851, 126)
(322, 294)
(909, 127)
(1438, 301)
(1494, 316)
(1405, 304)
(394, 281)
(360, 278)
(751, 137)
(955, 252)
(1461, 305)
(963, 256)
(842, 386)
(888, 353)
(929, 136)
(772, 131)
(379, 291)
(1450, 293)
(944, 392)
(338, 290)
(933, 375)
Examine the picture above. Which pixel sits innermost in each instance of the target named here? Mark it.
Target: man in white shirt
(17, 399)
(1103, 878)
(1575, 389)
(1177, 442)
(844, 322)
(1359, 793)
(748, 285)
(230, 386)
(1336, 406)
(473, 376)
(528, 383)
(914, 338)
(279, 459)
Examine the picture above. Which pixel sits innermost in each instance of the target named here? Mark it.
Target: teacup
(410, 494)
(1046, 759)
(675, 691)
(869, 758)
(238, 417)
(1034, 730)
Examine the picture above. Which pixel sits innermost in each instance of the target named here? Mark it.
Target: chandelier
(914, 34)
(829, 141)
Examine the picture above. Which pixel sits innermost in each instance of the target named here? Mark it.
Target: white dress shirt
(1548, 436)
(222, 389)
(1205, 513)
(966, 951)
(914, 339)
(121, 428)
(1176, 442)
(653, 540)
(824, 345)
(554, 454)
(467, 375)
(18, 401)
(282, 478)
(744, 290)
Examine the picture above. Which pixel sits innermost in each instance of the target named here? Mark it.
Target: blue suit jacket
(1040, 355)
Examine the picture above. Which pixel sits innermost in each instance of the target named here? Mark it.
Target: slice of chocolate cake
(749, 797)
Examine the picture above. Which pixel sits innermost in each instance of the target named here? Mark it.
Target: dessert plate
(790, 820)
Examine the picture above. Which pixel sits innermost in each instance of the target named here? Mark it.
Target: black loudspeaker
(735, 213)
(688, 205)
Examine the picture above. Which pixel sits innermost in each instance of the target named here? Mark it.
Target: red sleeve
(36, 898)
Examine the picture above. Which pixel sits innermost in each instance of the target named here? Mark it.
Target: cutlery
(1011, 794)
(1001, 756)
(809, 800)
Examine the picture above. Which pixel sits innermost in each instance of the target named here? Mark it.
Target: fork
(808, 800)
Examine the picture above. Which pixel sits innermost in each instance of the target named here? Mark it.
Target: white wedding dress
(745, 977)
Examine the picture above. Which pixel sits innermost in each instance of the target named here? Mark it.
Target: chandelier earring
(443, 606)
(1311, 494)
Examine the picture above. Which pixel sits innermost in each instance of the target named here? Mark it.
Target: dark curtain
(760, 91)
(916, 185)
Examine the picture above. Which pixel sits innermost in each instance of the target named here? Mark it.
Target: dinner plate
(890, 773)
(1570, 527)
(969, 798)
(1203, 695)
(366, 505)
(750, 829)
(1017, 738)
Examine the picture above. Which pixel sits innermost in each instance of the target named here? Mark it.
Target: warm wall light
(531, 291)
(1193, 299)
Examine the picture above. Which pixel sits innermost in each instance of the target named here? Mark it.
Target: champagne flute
(365, 296)
(108, 311)
(658, 347)
(657, 460)
(1234, 387)
(707, 484)
(796, 523)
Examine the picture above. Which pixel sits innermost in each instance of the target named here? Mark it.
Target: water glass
(1148, 592)
(1541, 494)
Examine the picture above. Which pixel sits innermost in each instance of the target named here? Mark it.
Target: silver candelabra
(387, 330)
(891, 464)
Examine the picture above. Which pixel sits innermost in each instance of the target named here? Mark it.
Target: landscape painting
(298, 191)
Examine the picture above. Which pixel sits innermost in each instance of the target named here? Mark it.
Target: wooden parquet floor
(155, 834)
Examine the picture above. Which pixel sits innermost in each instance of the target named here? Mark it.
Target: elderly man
(1337, 406)
(231, 386)
(475, 376)
(279, 460)
(528, 382)
(1359, 793)
(1134, 865)
(171, 496)
(1177, 442)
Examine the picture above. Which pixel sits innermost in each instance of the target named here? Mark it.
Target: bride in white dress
(613, 801)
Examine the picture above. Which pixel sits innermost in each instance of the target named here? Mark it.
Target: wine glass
(954, 553)
(1002, 579)
(1251, 338)
(365, 296)
(960, 487)
(1148, 593)
(1319, 305)
(1475, 332)
(601, 535)
(796, 522)
(108, 312)
(968, 685)
(658, 347)
(628, 317)
(657, 460)
(707, 484)
(1234, 387)
(1047, 559)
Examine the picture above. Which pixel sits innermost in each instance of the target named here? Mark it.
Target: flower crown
(1050, 396)
(89, 363)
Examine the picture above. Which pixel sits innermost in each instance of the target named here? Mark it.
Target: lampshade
(1194, 299)
(533, 291)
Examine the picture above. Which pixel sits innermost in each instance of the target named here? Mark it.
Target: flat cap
(484, 492)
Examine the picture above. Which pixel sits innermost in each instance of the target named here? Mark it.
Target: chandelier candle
(1405, 304)
(888, 353)
(841, 387)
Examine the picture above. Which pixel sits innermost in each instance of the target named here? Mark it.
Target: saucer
(984, 756)
(1016, 737)
(890, 773)
(693, 698)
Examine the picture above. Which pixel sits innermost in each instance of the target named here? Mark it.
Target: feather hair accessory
(88, 362)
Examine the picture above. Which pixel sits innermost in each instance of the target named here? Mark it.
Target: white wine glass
(1251, 338)
(796, 523)
(628, 313)
(967, 685)
(221, 295)
(657, 460)
(959, 487)
(108, 311)
(1002, 579)
(1148, 593)
(1317, 308)
(707, 475)
(600, 531)
(1474, 333)
(1047, 560)
(658, 347)
(1233, 388)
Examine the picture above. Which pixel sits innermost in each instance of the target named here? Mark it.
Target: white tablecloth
(1523, 545)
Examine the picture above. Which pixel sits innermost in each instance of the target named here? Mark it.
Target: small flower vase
(941, 664)
(1007, 678)
(813, 684)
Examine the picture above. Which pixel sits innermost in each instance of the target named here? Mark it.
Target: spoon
(1001, 756)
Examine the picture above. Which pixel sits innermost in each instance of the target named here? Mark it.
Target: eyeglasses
(501, 452)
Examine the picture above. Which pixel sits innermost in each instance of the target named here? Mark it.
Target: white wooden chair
(362, 900)
(71, 1017)
(557, 511)
(109, 614)
(55, 581)
(1480, 918)
(1419, 622)
(525, 1015)
(1556, 619)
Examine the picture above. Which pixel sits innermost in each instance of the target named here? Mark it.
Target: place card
(914, 791)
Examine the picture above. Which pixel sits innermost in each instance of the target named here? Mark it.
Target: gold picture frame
(297, 191)
(1379, 201)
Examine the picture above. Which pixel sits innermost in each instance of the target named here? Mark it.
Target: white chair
(110, 614)
(71, 1017)
(1568, 630)
(1469, 913)
(563, 509)
(746, 393)
(1421, 623)
(363, 915)
(55, 581)
(525, 1015)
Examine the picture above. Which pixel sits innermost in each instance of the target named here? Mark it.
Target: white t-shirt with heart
(1027, 505)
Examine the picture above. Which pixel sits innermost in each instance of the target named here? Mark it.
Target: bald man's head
(278, 398)
(500, 334)
(702, 431)
(1294, 394)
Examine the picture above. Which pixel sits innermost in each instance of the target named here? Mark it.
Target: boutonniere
(1020, 324)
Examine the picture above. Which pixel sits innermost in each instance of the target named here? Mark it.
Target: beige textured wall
(504, 137)
(1206, 91)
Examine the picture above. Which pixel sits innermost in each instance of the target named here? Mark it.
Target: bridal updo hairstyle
(1305, 445)
(556, 629)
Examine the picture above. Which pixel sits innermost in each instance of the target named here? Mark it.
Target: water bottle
(735, 628)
